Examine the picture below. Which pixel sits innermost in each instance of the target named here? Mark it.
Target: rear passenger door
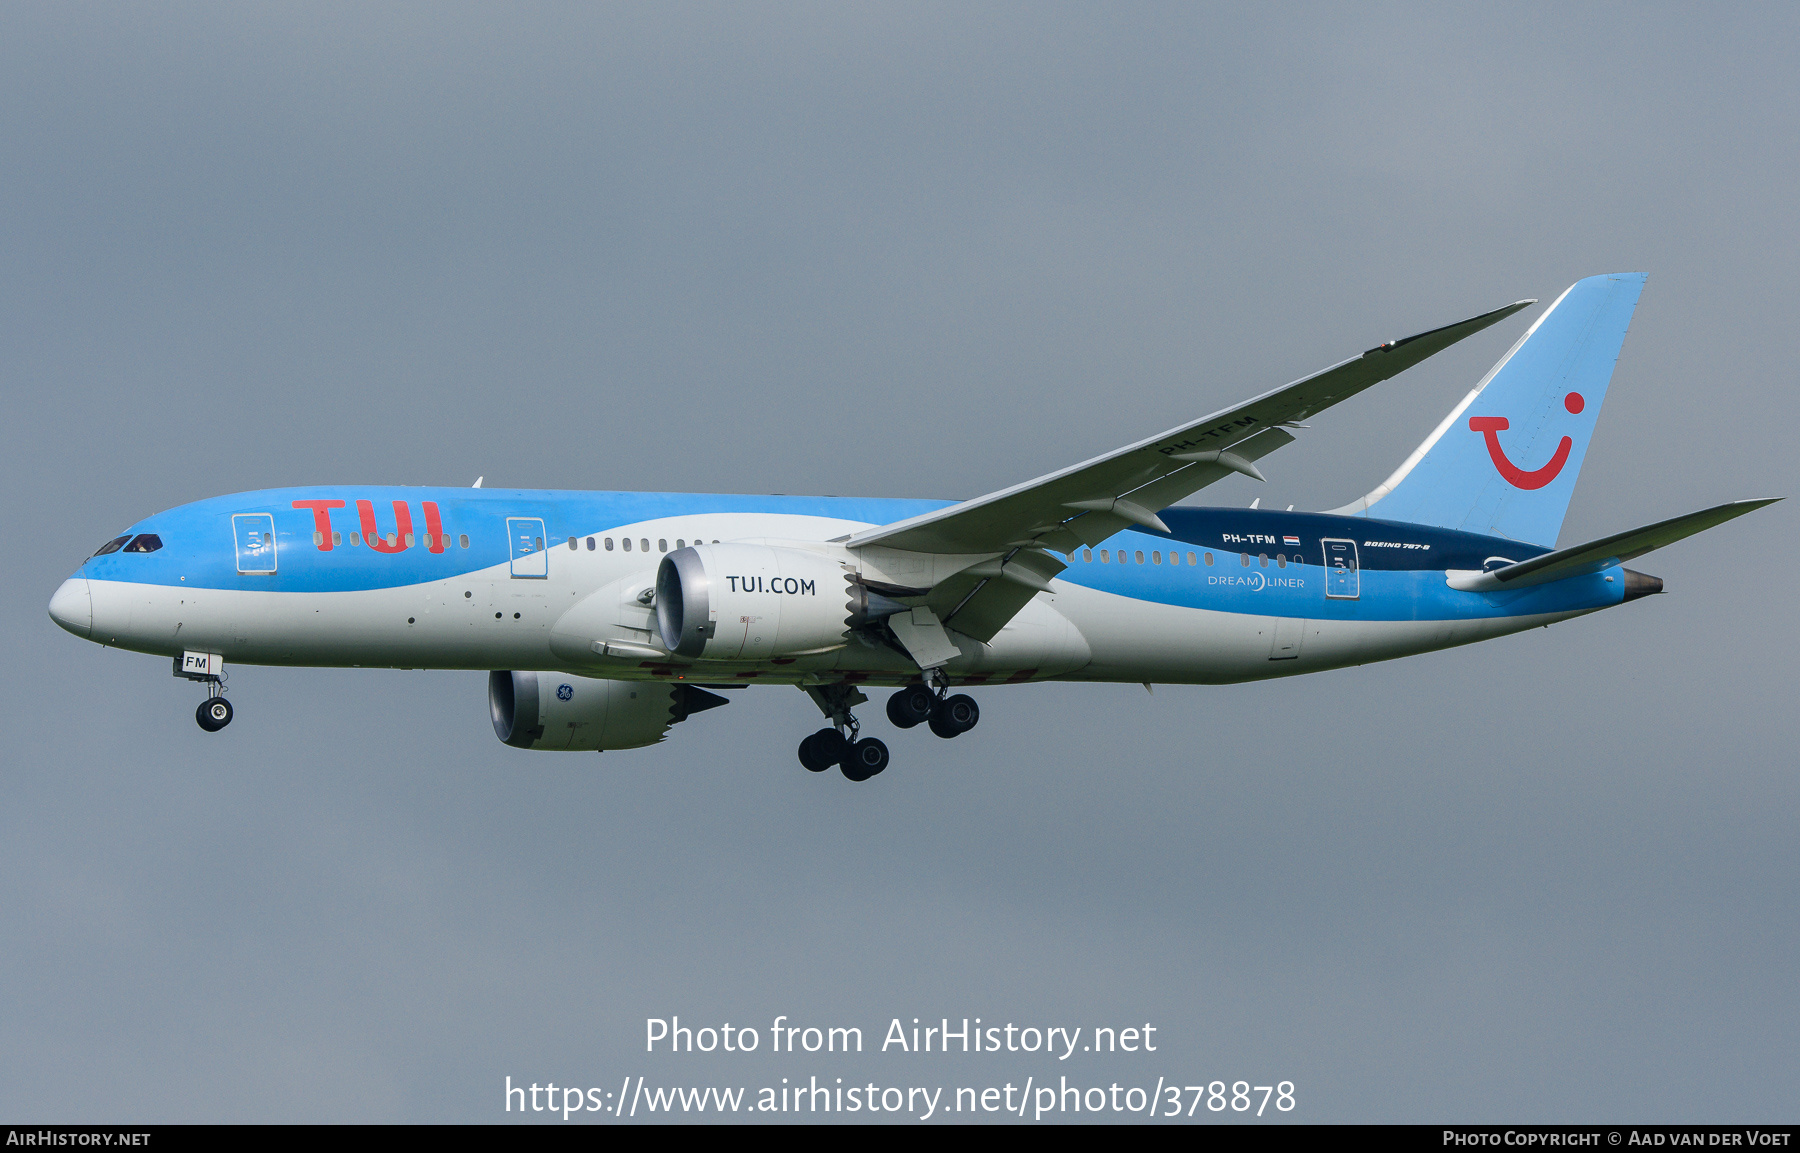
(1343, 581)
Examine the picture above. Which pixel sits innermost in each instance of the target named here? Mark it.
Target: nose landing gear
(214, 712)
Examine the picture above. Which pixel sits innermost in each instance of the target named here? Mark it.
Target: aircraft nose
(73, 607)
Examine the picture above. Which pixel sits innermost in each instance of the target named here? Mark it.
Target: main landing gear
(860, 759)
(840, 745)
(945, 715)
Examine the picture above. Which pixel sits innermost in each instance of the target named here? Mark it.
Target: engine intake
(561, 711)
(750, 602)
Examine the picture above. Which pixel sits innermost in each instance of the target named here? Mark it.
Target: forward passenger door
(525, 539)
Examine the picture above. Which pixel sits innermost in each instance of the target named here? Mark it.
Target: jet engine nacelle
(561, 711)
(750, 602)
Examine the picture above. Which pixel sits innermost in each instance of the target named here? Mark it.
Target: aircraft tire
(213, 714)
(910, 706)
(865, 759)
(823, 749)
(954, 716)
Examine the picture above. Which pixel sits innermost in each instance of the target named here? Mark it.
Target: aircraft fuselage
(495, 579)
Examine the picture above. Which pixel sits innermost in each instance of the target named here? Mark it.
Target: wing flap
(979, 600)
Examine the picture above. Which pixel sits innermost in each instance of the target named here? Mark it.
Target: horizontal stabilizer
(1597, 556)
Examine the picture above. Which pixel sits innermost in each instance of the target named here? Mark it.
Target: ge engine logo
(564, 692)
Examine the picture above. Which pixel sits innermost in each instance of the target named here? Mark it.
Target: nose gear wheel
(213, 714)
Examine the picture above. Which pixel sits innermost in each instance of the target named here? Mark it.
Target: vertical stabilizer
(1504, 462)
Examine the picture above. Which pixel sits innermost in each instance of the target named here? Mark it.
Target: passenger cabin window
(627, 544)
(1103, 556)
(679, 543)
(113, 545)
(144, 542)
(1263, 559)
(645, 543)
(337, 538)
(1280, 560)
(1156, 558)
(1138, 556)
(574, 544)
(462, 540)
(662, 546)
(1194, 560)
(1087, 554)
(590, 544)
(1208, 559)
(609, 544)
(1244, 559)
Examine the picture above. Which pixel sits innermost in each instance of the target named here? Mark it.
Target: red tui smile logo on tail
(1490, 427)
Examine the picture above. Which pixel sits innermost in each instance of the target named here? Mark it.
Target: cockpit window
(112, 545)
(144, 542)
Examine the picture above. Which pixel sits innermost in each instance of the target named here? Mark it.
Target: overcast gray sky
(893, 250)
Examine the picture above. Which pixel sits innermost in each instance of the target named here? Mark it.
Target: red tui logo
(401, 539)
(1490, 427)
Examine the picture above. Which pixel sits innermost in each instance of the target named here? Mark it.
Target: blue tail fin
(1504, 462)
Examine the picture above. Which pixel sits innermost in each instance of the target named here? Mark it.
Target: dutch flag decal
(1293, 540)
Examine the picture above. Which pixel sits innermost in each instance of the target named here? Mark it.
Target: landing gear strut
(839, 745)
